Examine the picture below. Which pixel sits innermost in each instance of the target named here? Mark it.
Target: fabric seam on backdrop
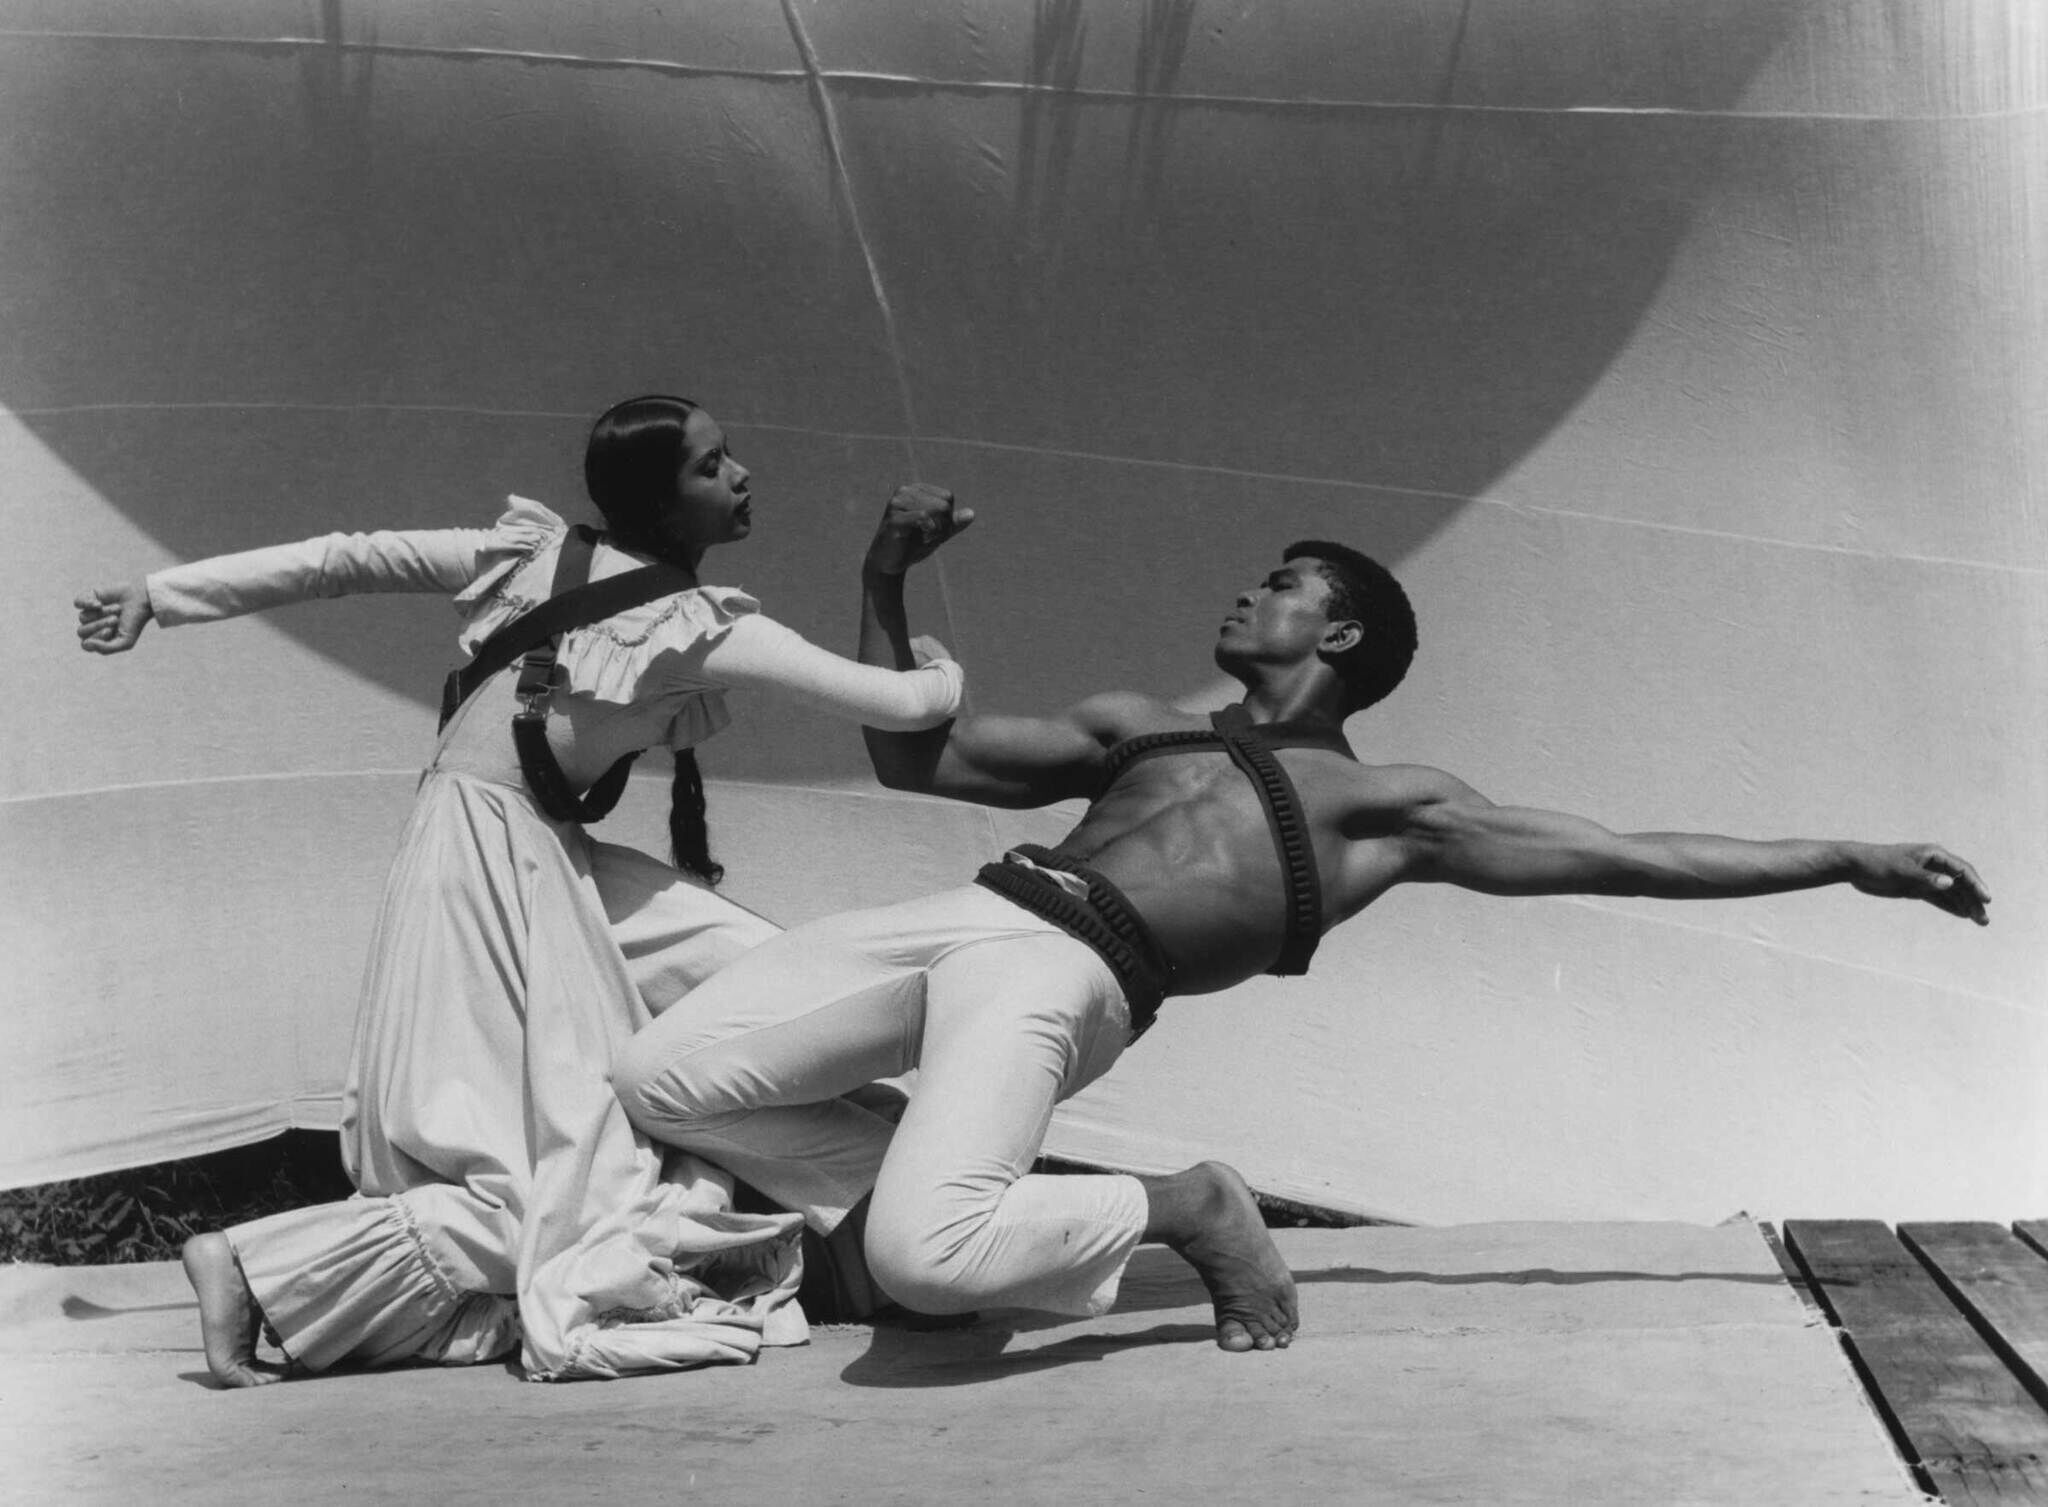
(1579, 902)
(412, 772)
(811, 74)
(910, 442)
(828, 125)
(1787, 950)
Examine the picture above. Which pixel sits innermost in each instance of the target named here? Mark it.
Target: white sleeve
(442, 560)
(758, 651)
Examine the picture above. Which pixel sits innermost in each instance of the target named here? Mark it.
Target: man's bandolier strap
(1290, 836)
(1104, 921)
(1250, 746)
(1122, 756)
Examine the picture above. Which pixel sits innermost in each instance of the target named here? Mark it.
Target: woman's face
(712, 505)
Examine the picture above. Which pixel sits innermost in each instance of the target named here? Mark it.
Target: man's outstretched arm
(1456, 836)
(991, 760)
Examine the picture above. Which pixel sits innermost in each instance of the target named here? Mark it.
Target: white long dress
(504, 1198)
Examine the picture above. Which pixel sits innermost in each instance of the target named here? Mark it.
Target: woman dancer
(503, 1196)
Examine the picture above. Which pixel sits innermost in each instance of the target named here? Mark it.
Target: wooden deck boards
(1948, 1327)
(2000, 1283)
(2034, 1232)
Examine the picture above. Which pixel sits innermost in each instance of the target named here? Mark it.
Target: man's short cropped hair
(1364, 591)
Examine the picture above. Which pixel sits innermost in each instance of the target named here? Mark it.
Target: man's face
(1281, 620)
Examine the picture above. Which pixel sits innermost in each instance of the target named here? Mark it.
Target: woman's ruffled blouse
(641, 654)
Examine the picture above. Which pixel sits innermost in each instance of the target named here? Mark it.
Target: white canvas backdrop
(1681, 357)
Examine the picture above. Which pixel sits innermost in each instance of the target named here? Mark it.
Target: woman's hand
(112, 618)
(918, 519)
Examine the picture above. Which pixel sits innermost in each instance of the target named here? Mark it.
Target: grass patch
(147, 1213)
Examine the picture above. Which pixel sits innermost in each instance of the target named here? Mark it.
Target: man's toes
(1241, 1332)
(1232, 1335)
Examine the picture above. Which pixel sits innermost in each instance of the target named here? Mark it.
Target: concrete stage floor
(1640, 1364)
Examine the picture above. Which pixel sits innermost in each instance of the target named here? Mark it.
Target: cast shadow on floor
(1156, 1281)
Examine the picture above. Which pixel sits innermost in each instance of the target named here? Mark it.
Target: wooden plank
(1794, 1277)
(1960, 1416)
(2034, 1232)
(2000, 1283)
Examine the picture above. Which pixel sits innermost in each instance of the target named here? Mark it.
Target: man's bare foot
(1207, 1214)
(228, 1317)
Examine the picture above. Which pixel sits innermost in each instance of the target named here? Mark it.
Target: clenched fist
(919, 518)
(111, 618)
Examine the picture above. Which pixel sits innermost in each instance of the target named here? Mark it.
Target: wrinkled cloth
(1002, 1014)
(504, 1197)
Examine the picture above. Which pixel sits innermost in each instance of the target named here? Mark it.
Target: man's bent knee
(665, 1091)
(643, 1079)
(925, 1271)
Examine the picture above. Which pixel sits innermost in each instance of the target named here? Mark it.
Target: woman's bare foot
(228, 1317)
(1208, 1215)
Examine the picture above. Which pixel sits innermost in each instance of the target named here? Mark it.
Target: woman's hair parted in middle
(631, 466)
(631, 463)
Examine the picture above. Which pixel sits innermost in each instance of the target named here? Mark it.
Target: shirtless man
(1207, 854)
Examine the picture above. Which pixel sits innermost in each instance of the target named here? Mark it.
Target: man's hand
(918, 519)
(112, 618)
(1922, 871)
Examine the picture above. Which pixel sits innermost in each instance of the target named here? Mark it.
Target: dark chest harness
(1250, 746)
(574, 601)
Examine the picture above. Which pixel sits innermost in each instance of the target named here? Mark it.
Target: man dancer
(1208, 853)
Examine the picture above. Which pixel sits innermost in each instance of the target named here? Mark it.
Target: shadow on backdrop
(357, 289)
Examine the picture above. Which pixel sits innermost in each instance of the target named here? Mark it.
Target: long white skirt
(505, 1197)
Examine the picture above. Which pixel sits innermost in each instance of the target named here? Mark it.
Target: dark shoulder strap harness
(1250, 746)
(574, 601)
(1289, 734)
(1250, 753)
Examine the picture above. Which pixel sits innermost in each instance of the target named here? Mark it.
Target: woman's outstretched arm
(111, 618)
